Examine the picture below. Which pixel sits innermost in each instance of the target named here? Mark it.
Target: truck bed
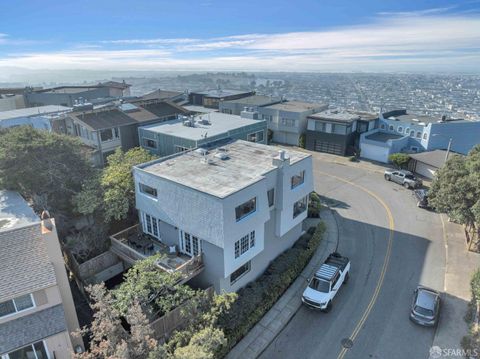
(337, 260)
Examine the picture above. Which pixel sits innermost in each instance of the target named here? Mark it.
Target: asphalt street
(373, 308)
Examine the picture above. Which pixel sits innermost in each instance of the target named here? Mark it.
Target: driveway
(393, 247)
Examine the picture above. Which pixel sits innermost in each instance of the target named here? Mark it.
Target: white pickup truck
(326, 282)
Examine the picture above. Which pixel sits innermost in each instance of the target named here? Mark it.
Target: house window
(320, 126)
(240, 272)
(382, 126)
(149, 143)
(37, 350)
(407, 130)
(425, 136)
(390, 127)
(16, 305)
(190, 244)
(299, 207)
(339, 129)
(151, 225)
(109, 134)
(180, 149)
(255, 137)
(298, 179)
(288, 122)
(271, 197)
(400, 129)
(150, 191)
(244, 244)
(419, 134)
(246, 208)
(412, 133)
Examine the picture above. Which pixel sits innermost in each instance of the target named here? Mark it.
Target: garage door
(372, 152)
(328, 147)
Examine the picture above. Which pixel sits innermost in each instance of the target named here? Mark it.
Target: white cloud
(397, 42)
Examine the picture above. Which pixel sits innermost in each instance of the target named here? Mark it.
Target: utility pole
(448, 149)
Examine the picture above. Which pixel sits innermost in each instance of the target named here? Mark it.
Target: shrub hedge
(259, 296)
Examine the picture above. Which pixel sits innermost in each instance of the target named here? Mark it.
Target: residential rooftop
(434, 158)
(404, 116)
(33, 111)
(383, 136)
(161, 95)
(246, 164)
(296, 106)
(15, 211)
(219, 93)
(201, 126)
(200, 109)
(256, 100)
(343, 115)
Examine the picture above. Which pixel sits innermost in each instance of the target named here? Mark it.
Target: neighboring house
(337, 131)
(288, 120)
(177, 97)
(12, 99)
(237, 206)
(399, 131)
(70, 95)
(212, 98)
(37, 313)
(184, 133)
(107, 128)
(427, 163)
(42, 118)
(235, 107)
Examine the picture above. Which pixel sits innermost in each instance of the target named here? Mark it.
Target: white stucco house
(238, 206)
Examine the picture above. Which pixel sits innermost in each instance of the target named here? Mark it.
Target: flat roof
(383, 136)
(256, 100)
(220, 93)
(247, 163)
(215, 124)
(343, 115)
(15, 211)
(200, 109)
(296, 106)
(33, 111)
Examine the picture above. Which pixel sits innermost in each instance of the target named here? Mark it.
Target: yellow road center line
(386, 261)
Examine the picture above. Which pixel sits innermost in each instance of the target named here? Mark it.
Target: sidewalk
(265, 331)
(459, 267)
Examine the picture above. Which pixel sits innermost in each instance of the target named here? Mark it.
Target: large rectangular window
(151, 225)
(147, 190)
(271, 197)
(109, 134)
(300, 206)
(320, 126)
(18, 304)
(190, 244)
(149, 143)
(255, 137)
(244, 244)
(240, 272)
(298, 179)
(32, 351)
(246, 208)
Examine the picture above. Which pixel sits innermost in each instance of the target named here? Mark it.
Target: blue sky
(301, 35)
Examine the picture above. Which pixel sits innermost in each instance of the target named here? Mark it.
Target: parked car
(421, 196)
(403, 177)
(425, 306)
(326, 282)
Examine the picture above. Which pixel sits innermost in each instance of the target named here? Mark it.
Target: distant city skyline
(306, 35)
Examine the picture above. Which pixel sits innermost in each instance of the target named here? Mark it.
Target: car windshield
(410, 177)
(423, 311)
(319, 285)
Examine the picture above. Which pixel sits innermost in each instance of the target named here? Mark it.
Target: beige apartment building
(37, 312)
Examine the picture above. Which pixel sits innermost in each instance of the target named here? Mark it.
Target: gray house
(337, 131)
(288, 120)
(184, 133)
(235, 107)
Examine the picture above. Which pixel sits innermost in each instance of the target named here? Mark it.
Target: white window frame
(268, 200)
(7, 356)
(255, 136)
(141, 188)
(303, 199)
(249, 264)
(15, 306)
(145, 140)
(152, 226)
(244, 244)
(194, 244)
(300, 174)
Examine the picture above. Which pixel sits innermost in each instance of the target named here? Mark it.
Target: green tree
(157, 291)
(301, 140)
(90, 200)
(47, 167)
(399, 160)
(117, 182)
(455, 189)
(109, 339)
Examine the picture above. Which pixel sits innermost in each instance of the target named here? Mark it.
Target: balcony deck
(131, 245)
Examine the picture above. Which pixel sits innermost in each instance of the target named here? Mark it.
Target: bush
(400, 160)
(258, 297)
(471, 342)
(302, 140)
(314, 205)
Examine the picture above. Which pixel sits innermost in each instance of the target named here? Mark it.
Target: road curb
(273, 322)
